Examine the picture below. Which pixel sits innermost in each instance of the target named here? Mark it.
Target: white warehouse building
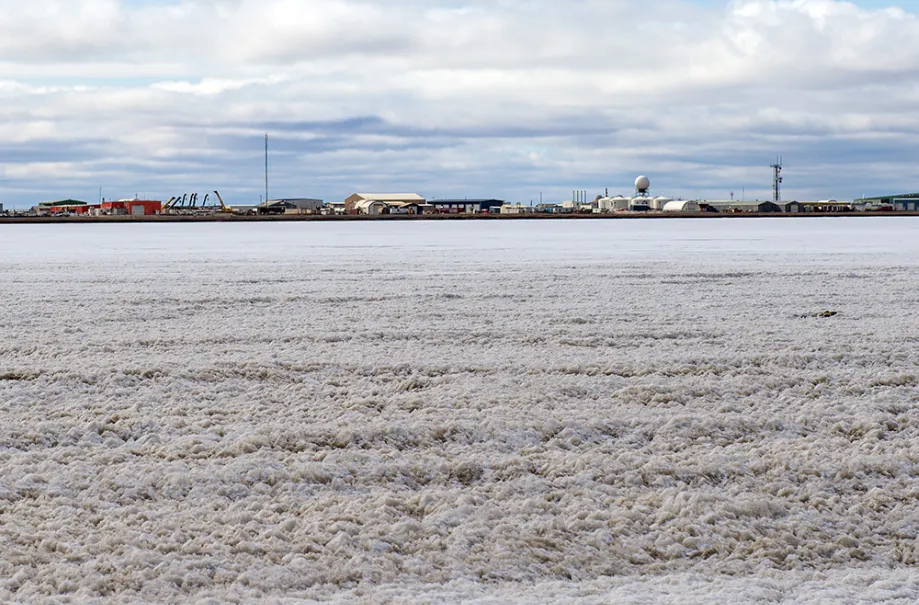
(682, 206)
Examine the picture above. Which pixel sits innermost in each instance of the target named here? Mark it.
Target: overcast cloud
(504, 98)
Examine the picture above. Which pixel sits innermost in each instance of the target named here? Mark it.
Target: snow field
(351, 427)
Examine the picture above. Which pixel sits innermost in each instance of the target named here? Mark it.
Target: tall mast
(266, 168)
(777, 180)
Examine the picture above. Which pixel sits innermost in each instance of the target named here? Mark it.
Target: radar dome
(642, 183)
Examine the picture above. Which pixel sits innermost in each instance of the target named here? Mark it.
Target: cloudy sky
(467, 98)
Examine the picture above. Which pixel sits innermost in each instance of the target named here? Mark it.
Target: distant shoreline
(233, 218)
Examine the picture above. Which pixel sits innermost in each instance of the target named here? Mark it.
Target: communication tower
(266, 169)
(777, 180)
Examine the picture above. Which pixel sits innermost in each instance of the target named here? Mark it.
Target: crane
(190, 201)
(223, 207)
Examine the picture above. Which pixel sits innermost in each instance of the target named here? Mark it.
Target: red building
(143, 207)
(72, 209)
(133, 207)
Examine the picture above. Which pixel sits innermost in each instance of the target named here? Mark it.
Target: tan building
(356, 202)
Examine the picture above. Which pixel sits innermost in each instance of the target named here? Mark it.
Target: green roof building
(62, 203)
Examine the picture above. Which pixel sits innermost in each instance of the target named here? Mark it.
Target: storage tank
(605, 204)
(658, 203)
(621, 203)
(681, 206)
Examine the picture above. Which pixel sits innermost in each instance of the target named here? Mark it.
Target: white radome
(642, 183)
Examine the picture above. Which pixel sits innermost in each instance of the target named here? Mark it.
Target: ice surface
(514, 412)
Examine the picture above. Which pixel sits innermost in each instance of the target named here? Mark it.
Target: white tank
(621, 203)
(605, 204)
(658, 203)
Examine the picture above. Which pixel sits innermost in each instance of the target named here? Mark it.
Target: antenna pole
(266, 168)
(777, 180)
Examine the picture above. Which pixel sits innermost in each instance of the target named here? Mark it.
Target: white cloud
(410, 93)
(216, 86)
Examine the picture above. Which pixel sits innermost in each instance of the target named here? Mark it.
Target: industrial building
(642, 201)
(300, 205)
(373, 207)
(412, 203)
(906, 202)
(546, 208)
(738, 206)
(120, 207)
(823, 206)
(129, 207)
(517, 209)
(57, 206)
(466, 206)
(379, 203)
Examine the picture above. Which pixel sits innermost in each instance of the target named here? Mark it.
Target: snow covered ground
(687, 411)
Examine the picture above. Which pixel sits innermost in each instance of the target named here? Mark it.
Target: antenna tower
(266, 169)
(777, 180)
